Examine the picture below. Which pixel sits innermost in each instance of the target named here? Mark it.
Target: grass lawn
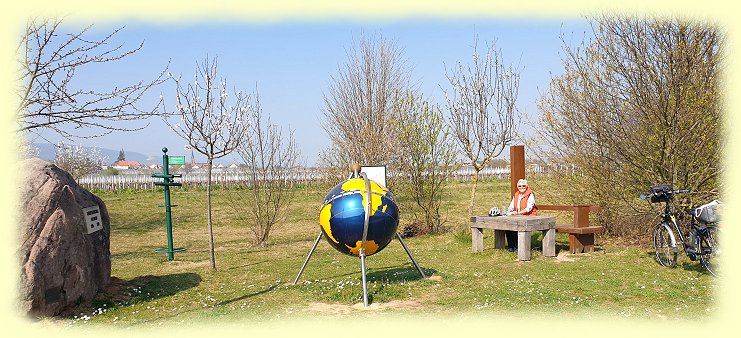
(253, 284)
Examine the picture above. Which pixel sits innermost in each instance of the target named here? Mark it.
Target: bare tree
(269, 159)
(51, 99)
(430, 157)
(637, 105)
(78, 161)
(359, 115)
(213, 122)
(482, 106)
(26, 148)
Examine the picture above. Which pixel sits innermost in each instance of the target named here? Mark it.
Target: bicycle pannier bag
(708, 213)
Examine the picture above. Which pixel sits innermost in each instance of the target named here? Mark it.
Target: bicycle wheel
(709, 251)
(665, 245)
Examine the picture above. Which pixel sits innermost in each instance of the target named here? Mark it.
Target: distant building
(126, 165)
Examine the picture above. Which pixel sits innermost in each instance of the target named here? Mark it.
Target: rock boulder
(64, 254)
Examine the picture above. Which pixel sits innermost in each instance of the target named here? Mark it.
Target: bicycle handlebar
(670, 192)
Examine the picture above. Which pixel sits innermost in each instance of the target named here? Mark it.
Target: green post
(167, 182)
(168, 206)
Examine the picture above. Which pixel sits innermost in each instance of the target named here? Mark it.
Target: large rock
(62, 264)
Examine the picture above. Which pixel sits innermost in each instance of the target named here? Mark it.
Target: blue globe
(343, 214)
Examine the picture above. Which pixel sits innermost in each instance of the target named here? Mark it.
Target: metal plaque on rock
(93, 222)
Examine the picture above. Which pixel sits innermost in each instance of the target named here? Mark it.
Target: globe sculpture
(342, 217)
(344, 222)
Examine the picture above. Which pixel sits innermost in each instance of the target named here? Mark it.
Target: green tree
(121, 156)
(269, 158)
(637, 105)
(430, 157)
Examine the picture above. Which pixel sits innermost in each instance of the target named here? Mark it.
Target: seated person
(523, 203)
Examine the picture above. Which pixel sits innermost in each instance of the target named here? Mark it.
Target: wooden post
(477, 239)
(516, 166)
(581, 216)
(523, 245)
(549, 243)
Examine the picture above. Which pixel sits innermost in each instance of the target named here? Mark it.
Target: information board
(376, 173)
(177, 160)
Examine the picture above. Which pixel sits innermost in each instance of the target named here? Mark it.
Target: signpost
(177, 160)
(167, 182)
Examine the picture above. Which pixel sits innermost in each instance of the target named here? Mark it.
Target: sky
(291, 65)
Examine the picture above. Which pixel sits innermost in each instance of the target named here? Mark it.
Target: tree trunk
(475, 181)
(208, 206)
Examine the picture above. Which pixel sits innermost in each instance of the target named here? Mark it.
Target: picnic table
(524, 225)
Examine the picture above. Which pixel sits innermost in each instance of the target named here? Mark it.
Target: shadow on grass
(120, 293)
(687, 264)
(398, 274)
(392, 274)
(153, 287)
(247, 296)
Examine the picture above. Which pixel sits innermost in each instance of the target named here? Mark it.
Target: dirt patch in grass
(564, 257)
(117, 291)
(343, 309)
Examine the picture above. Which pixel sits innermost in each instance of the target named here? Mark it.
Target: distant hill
(47, 152)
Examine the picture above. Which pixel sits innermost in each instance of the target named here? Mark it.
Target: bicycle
(701, 242)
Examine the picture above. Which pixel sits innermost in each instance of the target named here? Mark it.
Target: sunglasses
(522, 186)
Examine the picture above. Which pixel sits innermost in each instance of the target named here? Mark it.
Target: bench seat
(581, 234)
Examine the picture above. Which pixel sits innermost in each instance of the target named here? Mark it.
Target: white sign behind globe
(375, 173)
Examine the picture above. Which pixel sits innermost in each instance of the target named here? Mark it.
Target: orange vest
(523, 202)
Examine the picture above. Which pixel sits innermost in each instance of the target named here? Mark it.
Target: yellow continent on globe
(324, 217)
(370, 247)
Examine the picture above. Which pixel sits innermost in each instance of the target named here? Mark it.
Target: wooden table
(524, 225)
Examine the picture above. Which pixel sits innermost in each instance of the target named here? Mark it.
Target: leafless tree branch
(212, 121)
(49, 98)
(482, 105)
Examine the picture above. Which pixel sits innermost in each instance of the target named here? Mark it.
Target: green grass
(253, 284)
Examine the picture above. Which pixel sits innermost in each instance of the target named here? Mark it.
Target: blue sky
(291, 64)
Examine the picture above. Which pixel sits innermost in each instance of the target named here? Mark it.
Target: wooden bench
(581, 234)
